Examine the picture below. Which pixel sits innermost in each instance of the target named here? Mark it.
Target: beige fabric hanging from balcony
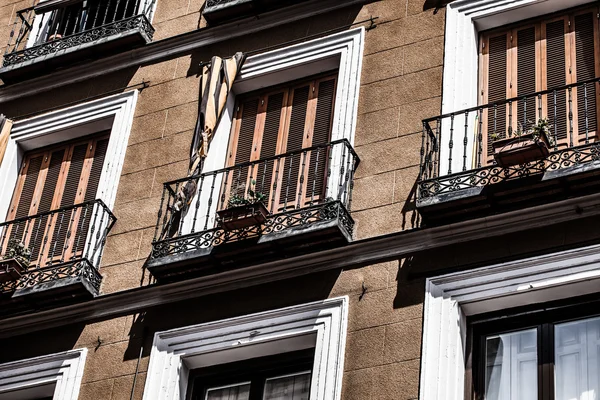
(217, 80)
(5, 127)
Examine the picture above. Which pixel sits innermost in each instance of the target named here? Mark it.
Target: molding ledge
(64, 371)
(321, 325)
(449, 299)
(172, 47)
(359, 253)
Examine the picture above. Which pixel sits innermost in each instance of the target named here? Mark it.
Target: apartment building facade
(316, 199)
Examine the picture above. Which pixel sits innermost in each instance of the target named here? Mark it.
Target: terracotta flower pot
(11, 269)
(520, 149)
(242, 216)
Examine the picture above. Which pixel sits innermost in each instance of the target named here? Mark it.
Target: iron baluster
(45, 239)
(347, 176)
(209, 202)
(160, 210)
(289, 178)
(37, 232)
(510, 118)
(351, 183)
(437, 147)
(480, 138)
(465, 141)
(80, 232)
(198, 195)
(303, 166)
(314, 180)
(329, 160)
(450, 144)
(62, 217)
(264, 176)
(525, 112)
(585, 98)
(422, 152)
(223, 195)
(92, 231)
(555, 123)
(274, 189)
(570, 118)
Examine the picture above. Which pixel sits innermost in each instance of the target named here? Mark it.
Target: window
(64, 18)
(549, 354)
(50, 179)
(279, 121)
(516, 61)
(281, 377)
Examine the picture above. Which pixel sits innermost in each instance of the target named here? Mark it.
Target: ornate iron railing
(456, 150)
(62, 243)
(299, 188)
(57, 25)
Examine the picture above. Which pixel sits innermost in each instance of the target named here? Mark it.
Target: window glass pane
(240, 391)
(511, 366)
(290, 387)
(577, 359)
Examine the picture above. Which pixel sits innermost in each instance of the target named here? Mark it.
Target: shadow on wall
(287, 35)
(230, 304)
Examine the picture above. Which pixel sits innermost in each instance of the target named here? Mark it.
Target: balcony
(56, 33)
(459, 177)
(306, 199)
(216, 11)
(58, 257)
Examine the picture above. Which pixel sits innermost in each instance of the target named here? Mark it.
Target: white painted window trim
(112, 112)
(176, 351)
(449, 299)
(464, 20)
(65, 370)
(340, 51)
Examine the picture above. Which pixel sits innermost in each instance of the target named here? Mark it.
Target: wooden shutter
(556, 72)
(50, 179)
(495, 71)
(585, 67)
(276, 122)
(526, 76)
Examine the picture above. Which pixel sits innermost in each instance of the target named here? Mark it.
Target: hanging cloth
(216, 82)
(5, 127)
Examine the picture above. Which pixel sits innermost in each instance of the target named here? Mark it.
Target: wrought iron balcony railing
(54, 26)
(63, 243)
(456, 150)
(298, 189)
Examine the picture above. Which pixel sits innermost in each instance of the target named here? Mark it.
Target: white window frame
(63, 370)
(449, 299)
(112, 112)
(340, 51)
(321, 325)
(464, 20)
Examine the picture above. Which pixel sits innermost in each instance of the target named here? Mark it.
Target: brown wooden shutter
(321, 135)
(526, 77)
(497, 79)
(269, 144)
(585, 62)
(243, 147)
(52, 179)
(556, 76)
(295, 137)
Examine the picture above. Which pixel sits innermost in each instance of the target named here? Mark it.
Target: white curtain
(292, 387)
(577, 360)
(234, 392)
(511, 366)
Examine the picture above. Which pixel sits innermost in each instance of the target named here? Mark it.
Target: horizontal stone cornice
(359, 253)
(171, 47)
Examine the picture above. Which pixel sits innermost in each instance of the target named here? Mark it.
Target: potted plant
(523, 146)
(15, 261)
(242, 212)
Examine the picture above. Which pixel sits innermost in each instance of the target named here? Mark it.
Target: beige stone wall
(401, 84)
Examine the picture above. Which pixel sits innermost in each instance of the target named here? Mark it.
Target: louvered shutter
(37, 244)
(265, 180)
(526, 77)
(295, 137)
(243, 147)
(321, 135)
(556, 76)
(50, 180)
(585, 63)
(495, 90)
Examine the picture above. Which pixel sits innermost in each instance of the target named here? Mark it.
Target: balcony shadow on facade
(460, 179)
(57, 34)
(61, 262)
(306, 199)
(219, 11)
